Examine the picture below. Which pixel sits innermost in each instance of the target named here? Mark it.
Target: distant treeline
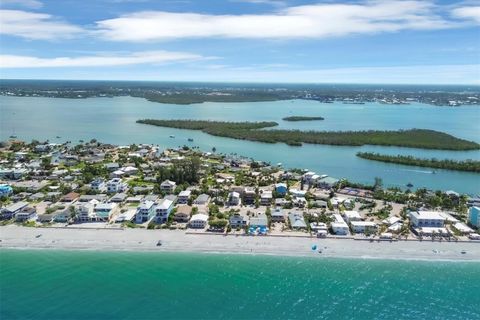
(302, 118)
(467, 165)
(414, 138)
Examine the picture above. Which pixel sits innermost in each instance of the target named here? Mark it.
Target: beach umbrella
(314, 247)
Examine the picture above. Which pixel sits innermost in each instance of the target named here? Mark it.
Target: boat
(58, 137)
(13, 137)
(409, 185)
(172, 136)
(190, 139)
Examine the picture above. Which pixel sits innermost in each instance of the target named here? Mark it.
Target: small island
(302, 118)
(467, 165)
(413, 138)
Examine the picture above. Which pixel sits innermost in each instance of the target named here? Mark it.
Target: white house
(363, 226)
(278, 215)
(163, 210)
(234, 198)
(266, 198)
(98, 185)
(238, 221)
(116, 185)
(184, 196)
(296, 220)
(351, 215)
(198, 221)
(429, 219)
(145, 211)
(339, 227)
(104, 211)
(26, 214)
(168, 186)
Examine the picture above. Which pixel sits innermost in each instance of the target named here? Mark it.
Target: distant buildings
(5, 190)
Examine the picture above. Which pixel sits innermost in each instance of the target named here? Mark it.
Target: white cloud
(275, 3)
(35, 26)
(32, 4)
(308, 21)
(151, 57)
(469, 13)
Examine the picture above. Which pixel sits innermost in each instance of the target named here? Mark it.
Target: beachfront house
(198, 221)
(281, 189)
(163, 210)
(297, 222)
(168, 186)
(104, 211)
(145, 211)
(26, 214)
(238, 220)
(260, 221)
(184, 196)
(429, 219)
(183, 213)
(339, 226)
(85, 211)
(62, 216)
(10, 211)
(278, 215)
(366, 227)
(474, 216)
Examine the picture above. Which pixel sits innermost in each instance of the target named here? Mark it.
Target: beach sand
(178, 241)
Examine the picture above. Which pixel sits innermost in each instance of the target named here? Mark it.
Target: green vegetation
(414, 138)
(302, 118)
(467, 165)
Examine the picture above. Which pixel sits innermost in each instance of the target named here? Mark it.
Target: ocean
(112, 120)
(51, 284)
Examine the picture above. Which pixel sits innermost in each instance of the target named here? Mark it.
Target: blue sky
(242, 40)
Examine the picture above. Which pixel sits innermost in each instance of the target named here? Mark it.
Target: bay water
(112, 120)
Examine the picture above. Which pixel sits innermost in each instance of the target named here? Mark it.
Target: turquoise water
(50, 284)
(112, 120)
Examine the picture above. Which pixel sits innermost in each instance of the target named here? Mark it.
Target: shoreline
(134, 240)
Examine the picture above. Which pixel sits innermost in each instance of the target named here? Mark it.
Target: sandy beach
(178, 241)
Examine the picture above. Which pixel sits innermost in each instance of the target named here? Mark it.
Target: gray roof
(16, 206)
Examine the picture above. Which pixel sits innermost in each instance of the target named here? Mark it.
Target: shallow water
(49, 284)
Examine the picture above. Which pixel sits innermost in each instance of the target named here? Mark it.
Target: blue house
(5, 190)
(281, 188)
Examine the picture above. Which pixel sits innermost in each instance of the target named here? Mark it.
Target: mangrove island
(413, 138)
(467, 165)
(302, 118)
